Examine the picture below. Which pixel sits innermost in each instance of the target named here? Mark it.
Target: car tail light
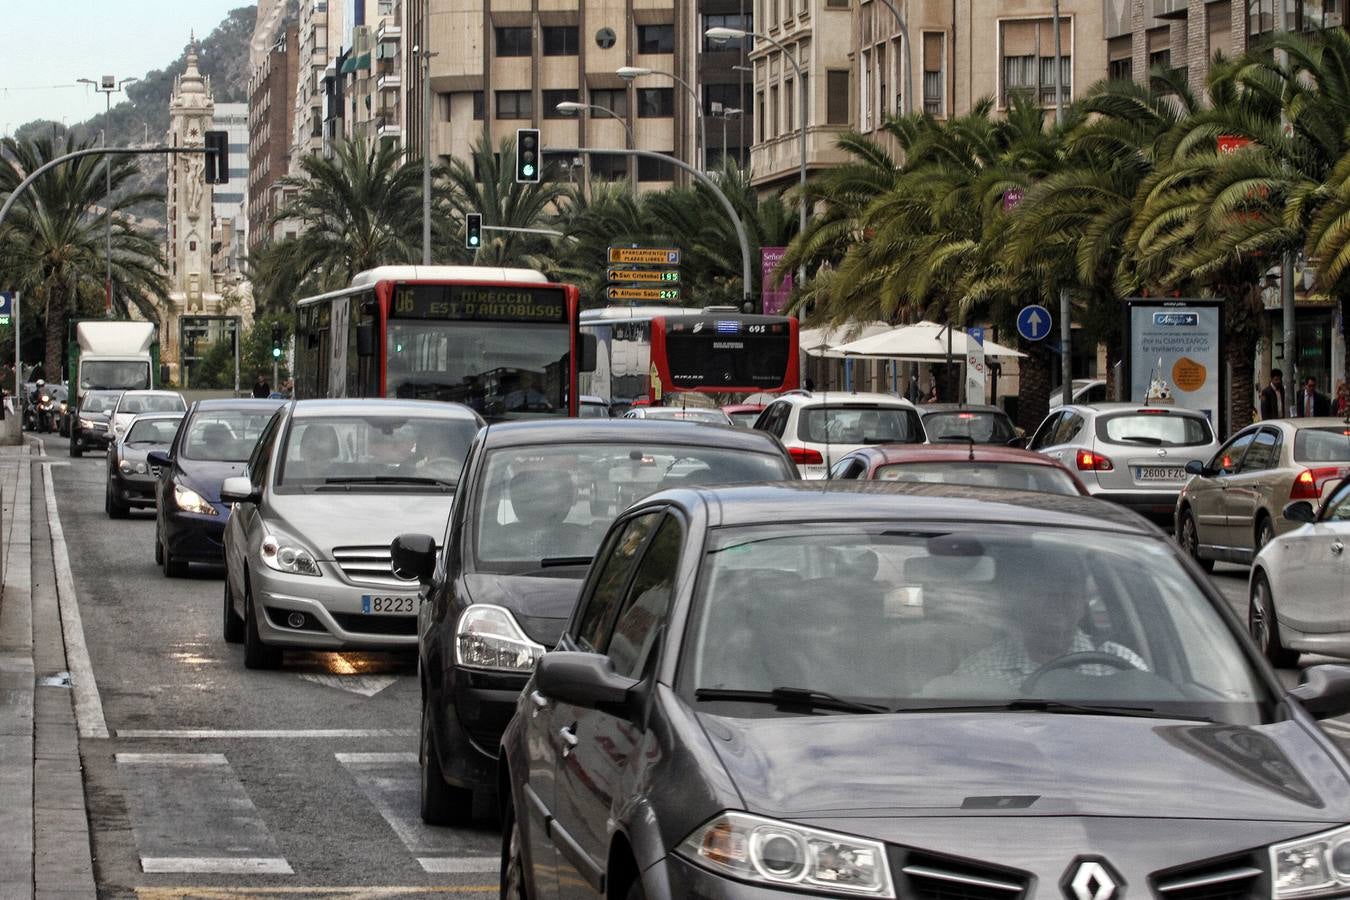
(1093, 462)
(805, 456)
(1308, 484)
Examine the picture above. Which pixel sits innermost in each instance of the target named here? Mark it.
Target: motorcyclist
(36, 415)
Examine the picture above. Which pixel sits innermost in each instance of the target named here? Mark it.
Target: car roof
(146, 392)
(901, 453)
(235, 403)
(1103, 408)
(844, 398)
(741, 407)
(159, 415)
(769, 503)
(927, 408)
(601, 431)
(430, 409)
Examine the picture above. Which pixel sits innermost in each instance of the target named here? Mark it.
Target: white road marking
(216, 865)
(88, 704)
(357, 759)
(171, 759)
(365, 685)
(464, 865)
(259, 733)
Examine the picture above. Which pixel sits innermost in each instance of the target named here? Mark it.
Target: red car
(984, 465)
(744, 414)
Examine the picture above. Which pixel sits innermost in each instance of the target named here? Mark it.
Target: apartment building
(362, 84)
(319, 39)
(500, 65)
(229, 201)
(271, 113)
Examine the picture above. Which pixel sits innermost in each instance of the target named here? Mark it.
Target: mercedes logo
(1091, 879)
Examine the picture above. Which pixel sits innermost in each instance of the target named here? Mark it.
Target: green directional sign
(663, 276)
(643, 293)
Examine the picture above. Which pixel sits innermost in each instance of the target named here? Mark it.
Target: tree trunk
(57, 313)
(1033, 385)
(1241, 387)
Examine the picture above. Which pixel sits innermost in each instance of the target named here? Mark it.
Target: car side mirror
(1325, 691)
(413, 556)
(1299, 511)
(1195, 467)
(159, 458)
(586, 352)
(587, 680)
(236, 489)
(365, 339)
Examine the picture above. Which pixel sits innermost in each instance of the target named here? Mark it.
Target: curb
(17, 685)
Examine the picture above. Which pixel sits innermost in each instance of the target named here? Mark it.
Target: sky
(51, 43)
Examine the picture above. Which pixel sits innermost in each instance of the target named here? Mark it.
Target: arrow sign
(1033, 322)
(646, 256)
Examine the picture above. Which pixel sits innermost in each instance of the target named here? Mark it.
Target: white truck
(113, 356)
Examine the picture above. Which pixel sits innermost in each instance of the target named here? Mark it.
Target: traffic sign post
(1033, 322)
(665, 276)
(638, 274)
(644, 256)
(975, 365)
(6, 307)
(642, 293)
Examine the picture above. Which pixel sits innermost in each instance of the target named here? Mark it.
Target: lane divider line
(463, 865)
(215, 865)
(190, 760)
(376, 758)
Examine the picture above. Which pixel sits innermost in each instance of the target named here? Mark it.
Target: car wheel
(75, 449)
(173, 567)
(513, 859)
(233, 626)
(1265, 533)
(1263, 627)
(441, 804)
(1190, 541)
(159, 550)
(116, 509)
(635, 891)
(257, 655)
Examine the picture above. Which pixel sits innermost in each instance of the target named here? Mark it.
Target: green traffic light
(276, 353)
(527, 170)
(474, 240)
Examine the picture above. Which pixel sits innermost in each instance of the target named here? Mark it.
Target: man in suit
(1272, 396)
(1311, 402)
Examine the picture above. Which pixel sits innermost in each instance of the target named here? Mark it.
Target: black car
(212, 444)
(89, 429)
(533, 504)
(978, 423)
(907, 690)
(132, 479)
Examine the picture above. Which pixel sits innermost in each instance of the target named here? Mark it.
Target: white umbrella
(821, 341)
(925, 341)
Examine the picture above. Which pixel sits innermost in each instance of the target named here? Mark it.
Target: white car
(1085, 392)
(133, 403)
(819, 428)
(1298, 583)
(712, 416)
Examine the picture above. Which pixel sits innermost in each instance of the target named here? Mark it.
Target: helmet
(40, 382)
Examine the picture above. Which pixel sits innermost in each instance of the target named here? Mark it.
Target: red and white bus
(505, 342)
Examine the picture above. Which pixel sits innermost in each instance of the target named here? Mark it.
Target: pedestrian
(261, 389)
(1311, 402)
(932, 394)
(1272, 397)
(1342, 406)
(810, 386)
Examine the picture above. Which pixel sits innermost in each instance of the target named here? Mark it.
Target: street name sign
(6, 306)
(665, 276)
(642, 293)
(1033, 322)
(644, 256)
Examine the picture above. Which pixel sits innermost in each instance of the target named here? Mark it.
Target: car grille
(1230, 878)
(369, 565)
(930, 877)
(392, 625)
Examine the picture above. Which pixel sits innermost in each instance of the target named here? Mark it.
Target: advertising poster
(774, 295)
(1175, 354)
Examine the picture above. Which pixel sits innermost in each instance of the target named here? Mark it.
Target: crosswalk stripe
(171, 759)
(463, 865)
(215, 865)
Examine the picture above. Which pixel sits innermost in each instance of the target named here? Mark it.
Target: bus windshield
(114, 374)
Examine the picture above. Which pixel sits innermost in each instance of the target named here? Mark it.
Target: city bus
(504, 342)
(714, 350)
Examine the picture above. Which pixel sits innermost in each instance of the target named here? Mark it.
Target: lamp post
(107, 86)
(424, 60)
(728, 112)
(628, 73)
(569, 106)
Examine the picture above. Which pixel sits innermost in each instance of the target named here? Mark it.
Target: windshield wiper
(554, 561)
(389, 479)
(1142, 439)
(792, 696)
(1060, 707)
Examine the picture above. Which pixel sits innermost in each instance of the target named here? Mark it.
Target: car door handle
(1337, 547)
(569, 738)
(540, 702)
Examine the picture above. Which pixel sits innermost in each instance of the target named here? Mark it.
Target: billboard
(1175, 352)
(774, 295)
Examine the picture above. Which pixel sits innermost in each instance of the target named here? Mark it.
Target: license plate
(1160, 473)
(374, 605)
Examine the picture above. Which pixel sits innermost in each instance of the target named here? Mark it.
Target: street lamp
(570, 106)
(728, 112)
(107, 86)
(628, 73)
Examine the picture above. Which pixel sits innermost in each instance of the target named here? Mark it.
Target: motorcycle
(40, 414)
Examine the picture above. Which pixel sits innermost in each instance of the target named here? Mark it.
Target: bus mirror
(365, 339)
(586, 352)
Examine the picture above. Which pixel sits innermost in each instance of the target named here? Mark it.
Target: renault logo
(1091, 879)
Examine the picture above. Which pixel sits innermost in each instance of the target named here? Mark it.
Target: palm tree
(54, 240)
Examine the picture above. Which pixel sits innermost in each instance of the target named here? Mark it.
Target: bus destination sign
(664, 276)
(644, 256)
(479, 302)
(642, 293)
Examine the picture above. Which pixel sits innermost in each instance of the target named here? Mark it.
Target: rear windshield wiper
(555, 561)
(1141, 439)
(389, 479)
(791, 696)
(1060, 707)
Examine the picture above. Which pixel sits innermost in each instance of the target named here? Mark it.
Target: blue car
(213, 444)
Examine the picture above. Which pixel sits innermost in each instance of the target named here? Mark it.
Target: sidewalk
(44, 834)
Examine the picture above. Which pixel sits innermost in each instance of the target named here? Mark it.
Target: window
(1120, 69)
(1229, 457)
(1048, 79)
(656, 103)
(837, 4)
(805, 99)
(513, 41)
(560, 40)
(644, 609)
(771, 128)
(740, 23)
(615, 100)
(478, 106)
(656, 170)
(788, 104)
(836, 97)
(1262, 453)
(1160, 59)
(656, 39)
(719, 97)
(515, 104)
(1019, 76)
(934, 79)
(865, 91)
(619, 557)
(1028, 64)
(610, 166)
(554, 97)
(759, 115)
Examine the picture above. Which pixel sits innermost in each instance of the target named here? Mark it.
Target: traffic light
(473, 231)
(217, 157)
(276, 341)
(527, 155)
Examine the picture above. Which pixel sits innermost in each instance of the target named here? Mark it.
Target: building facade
(271, 113)
(229, 206)
(319, 40)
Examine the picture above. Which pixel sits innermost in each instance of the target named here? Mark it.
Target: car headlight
(139, 468)
(189, 500)
(766, 851)
(1313, 866)
(488, 637)
(285, 556)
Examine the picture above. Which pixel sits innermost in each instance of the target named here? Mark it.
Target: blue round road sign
(1033, 322)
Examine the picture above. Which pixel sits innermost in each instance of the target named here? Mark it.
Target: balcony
(392, 81)
(389, 30)
(388, 125)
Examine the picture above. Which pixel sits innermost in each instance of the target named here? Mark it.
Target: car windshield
(107, 374)
(687, 414)
(153, 431)
(554, 503)
(860, 425)
(225, 435)
(593, 410)
(983, 473)
(960, 425)
(1326, 444)
(375, 452)
(144, 403)
(1154, 429)
(981, 616)
(744, 419)
(99, 402)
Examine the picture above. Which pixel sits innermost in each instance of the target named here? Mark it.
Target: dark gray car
(913, 691)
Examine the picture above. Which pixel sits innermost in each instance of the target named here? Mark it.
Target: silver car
(1130, 454)
(329, 485)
